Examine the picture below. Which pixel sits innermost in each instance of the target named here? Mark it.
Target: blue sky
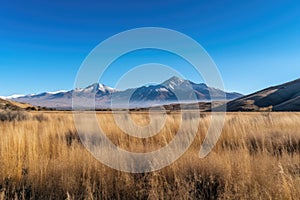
(255, 44)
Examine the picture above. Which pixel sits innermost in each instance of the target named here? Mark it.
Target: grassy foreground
(257, 157)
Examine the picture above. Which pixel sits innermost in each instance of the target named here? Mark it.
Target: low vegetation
(9, 115)
(257, 157)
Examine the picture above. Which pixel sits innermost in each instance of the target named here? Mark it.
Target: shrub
(8, 115)
(13, 115)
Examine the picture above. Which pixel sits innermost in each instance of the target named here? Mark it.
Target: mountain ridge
(282, 97)
(144, 96)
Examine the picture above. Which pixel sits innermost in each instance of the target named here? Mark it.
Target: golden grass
(257, 157)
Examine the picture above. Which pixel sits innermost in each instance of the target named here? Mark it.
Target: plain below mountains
(173, 90)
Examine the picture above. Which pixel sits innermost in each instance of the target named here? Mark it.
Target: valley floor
(256, 157)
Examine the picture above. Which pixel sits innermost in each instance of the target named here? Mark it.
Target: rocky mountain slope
(173, 90)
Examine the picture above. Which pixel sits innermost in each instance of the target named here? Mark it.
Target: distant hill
(144, 96)
(11, 105)
(284, 97)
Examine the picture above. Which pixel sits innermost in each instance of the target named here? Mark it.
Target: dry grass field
(257, 157)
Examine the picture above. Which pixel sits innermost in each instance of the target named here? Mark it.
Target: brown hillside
(11, 105)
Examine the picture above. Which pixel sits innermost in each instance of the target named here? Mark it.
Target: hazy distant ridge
(145, 96)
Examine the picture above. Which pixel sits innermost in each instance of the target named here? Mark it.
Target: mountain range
(145, 96)
(283, 97)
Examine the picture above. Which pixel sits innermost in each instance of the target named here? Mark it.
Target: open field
(257, 157)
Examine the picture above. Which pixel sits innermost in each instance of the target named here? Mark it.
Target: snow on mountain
(172, 90)
(96, 87)
(173, 82)
(58, 91)
(12, 96)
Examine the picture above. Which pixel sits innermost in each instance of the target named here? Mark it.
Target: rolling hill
(284, 97)
(12, 105)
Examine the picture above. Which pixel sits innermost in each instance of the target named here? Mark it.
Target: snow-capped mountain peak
(175, 83)
(161, 93)
(174, 80)
(96, 87)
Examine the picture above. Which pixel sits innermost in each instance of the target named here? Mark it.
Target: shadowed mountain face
(201, 91)
(171, 91)
(285, 97)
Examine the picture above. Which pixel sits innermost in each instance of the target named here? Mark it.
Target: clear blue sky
(255, 44)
